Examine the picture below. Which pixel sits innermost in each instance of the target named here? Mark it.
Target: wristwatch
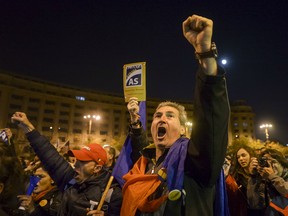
(136, 123)
(212, 53)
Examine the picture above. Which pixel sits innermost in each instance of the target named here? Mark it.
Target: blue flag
(33, 182)
(124, 162)
(221, 201)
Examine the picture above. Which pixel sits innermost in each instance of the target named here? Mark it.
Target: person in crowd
(45, 199)
(111, 157)
(236, 196)
(11, 180)
(273, 168)
(178, 175)
(245, 165)
(82, 185)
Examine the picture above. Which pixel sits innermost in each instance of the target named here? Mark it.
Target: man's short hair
(180, 108)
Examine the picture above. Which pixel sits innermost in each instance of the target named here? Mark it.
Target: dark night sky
(85, 43)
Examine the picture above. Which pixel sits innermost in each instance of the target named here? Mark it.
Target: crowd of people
(257, 181)
(175, 175)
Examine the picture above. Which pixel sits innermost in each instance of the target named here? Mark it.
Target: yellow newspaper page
(134, 81)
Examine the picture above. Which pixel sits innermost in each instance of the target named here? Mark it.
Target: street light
(91, 117)
(51, 132)
(265, 127)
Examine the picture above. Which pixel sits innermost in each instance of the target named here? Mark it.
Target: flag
(124, 162)
(4, 137)
(221, 201)
(33, 182)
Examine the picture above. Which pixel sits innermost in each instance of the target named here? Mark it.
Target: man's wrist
(212, 53)
(26, 128)
(135, 123)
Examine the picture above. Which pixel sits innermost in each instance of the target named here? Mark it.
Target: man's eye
(157, 115)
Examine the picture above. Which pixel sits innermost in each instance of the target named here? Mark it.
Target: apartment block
(57, 111)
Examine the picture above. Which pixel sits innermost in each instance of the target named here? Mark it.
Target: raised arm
(138, 135)
(209, 139)
(58, 168)
(198, 32)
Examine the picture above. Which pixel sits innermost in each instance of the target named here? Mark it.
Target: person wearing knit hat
(83, 184)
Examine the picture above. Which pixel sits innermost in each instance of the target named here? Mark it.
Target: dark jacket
(206, 148)
(76, 197)
(2, 212)
(273, 196)
(48, 205)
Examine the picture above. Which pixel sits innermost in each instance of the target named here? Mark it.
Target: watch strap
(212, 53)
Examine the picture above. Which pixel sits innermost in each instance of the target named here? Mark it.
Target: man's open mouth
(161, 132)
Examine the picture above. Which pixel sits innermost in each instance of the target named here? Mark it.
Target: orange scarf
(138, 187)
(37, 197)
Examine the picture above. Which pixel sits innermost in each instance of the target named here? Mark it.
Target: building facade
(242, 123)
(58, 111)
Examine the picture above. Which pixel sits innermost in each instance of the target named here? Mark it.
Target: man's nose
(163, 118)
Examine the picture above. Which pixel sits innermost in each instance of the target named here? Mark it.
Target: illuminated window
(81, 98)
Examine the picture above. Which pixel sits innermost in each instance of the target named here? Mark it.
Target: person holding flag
(43, 198)
(178, 175)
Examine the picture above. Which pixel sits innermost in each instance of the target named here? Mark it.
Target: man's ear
(182, 130)
(97, 168)
(1, 187)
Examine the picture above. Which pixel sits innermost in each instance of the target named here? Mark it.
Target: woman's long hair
(236, 166)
